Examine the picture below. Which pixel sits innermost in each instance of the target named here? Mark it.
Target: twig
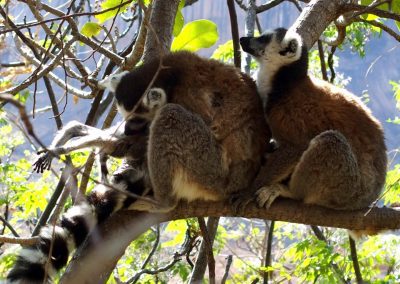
(375, 23)
(39, 73)
(12, 64)
(341, 29)
(48, 73)
(18, 240)
(208, 237)
(186, 246)
(268, 260)
(154, 248)
(235, 33)
(61, 16)
(229, 260)
(134, 56)
(330, 63)
(53, 201)
(22, 113)
(250, 21)
(322, 60)
(267, 6)
(354, 258)
(8, 225)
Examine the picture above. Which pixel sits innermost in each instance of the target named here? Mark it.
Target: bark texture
(314, 19)
(159, 31)
(95, 261)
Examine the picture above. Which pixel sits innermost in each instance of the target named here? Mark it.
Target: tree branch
(18, 240)
(315, 17)
(90, 263)
(159, 30)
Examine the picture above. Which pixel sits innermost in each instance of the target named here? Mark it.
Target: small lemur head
(274, 48)
(137, 122)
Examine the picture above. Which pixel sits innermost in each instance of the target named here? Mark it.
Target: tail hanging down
(33, 264)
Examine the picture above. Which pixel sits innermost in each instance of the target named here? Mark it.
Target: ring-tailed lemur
(205, 141)
(331, 149)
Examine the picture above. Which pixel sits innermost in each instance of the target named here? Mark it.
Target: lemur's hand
(43, 162)
(240, 200)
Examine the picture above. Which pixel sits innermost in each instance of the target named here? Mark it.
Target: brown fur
(210, 136)
(322, 174)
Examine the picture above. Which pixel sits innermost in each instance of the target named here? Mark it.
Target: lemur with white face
(331, 150)
(199, 133)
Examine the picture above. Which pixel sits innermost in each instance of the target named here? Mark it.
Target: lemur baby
(206, 138)
(331, 150)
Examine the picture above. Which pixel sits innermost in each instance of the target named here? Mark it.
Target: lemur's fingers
(239, 202)
(267, 194)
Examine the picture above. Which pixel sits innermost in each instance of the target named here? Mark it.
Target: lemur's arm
(89, 137)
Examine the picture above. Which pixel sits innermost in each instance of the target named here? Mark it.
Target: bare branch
(235, 33)
(8, 225)
(354, 258)
(385, 28)
(39, 74)
(21, 241)
(229, 260)
(49, 74)
(22, 113)
(351, 7)
(269, 5)
(134, 56)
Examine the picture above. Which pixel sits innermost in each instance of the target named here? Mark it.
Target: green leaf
(112, 13)
(179, 19)
(196, 35)
(91, 29)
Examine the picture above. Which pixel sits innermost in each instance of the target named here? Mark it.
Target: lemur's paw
(239, 201)
(43, 162)
(267, 194)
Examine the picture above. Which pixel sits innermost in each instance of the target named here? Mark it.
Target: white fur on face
(155, 98)
(121, 109)
(270, 60)
(111, 82)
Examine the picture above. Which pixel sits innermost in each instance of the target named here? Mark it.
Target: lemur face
(273, 48)
(138, 122)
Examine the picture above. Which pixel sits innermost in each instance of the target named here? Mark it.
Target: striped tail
(33, 264)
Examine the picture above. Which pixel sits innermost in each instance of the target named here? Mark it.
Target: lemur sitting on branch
(201, 136)
(331, 150)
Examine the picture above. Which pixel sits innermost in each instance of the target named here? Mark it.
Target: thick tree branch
(159, 30)
(314, 19)
(125, 226)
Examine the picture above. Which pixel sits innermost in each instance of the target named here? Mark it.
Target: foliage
(109, 4)
(196, 35)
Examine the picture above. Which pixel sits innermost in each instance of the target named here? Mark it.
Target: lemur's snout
(246, 46)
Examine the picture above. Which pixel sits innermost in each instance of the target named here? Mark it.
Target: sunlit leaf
(179, 19)
(108, 4)
(196, 35)
(91, 29)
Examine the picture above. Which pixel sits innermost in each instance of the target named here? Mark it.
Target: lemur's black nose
(245, 44)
